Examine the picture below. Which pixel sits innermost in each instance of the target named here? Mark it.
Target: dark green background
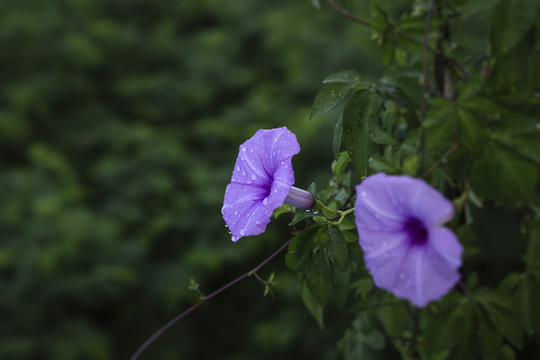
(119, 126)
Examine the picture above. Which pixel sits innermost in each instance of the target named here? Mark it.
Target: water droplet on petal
(265, 201)
(236, 213)
(243, 173)
(253, 177)
(244, 149)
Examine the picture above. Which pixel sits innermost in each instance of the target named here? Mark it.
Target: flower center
(416, 230)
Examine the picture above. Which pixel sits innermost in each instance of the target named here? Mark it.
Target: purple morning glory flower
(261, 182)
(406, 249)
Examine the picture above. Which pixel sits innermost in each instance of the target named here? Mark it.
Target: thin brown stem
(441, 159)
(348, 15)
(164, 328)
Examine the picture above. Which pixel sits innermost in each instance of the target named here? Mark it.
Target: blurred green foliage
(119, 124)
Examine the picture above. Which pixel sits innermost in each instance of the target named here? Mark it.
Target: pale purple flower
(405, 247)
(261, 182)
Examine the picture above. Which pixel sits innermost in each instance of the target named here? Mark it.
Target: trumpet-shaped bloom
(261, 181)
(405, 247)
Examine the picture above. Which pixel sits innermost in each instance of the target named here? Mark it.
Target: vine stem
(348, 15)
(441, 159)
(424, 83)
(164, 328)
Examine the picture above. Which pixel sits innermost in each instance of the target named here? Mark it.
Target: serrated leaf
(363, 340)
(356, 130)
(502, 313)
(313, 306)
(328, 97)
(299, 253)
(513, 19)
(490, 338)
(502, 175)
(336, 248)
(453, 328)
(526, 145)
(319, 275)
(471, 129)
(346, 76)
(338, 136)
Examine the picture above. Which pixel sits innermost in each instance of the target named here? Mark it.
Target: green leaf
(313, 306)
(410, 165)
(316, 4)
(346, 76)
(525, 289)
(336, 248)
(328, 97)
(340, 164)
(502, 312)
(319, 273)
(356, 126)
(338, 136)
(471, 129)
(503, 175)
(299, 253)
(363, 340)
(490, 338)
(350, 237)
(404, 88)
(526, 145)
(513, 19)
(378, 135)
(453, 328)
(532, 255)
(378, 164)
(283, 209)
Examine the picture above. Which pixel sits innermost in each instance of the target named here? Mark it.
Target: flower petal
(420, 271)
(261, 180)
(416, 198)
(243, 203)
(374, 208)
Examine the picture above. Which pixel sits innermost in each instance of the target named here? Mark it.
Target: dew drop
(238, 168)
(253, 177)
(364, 194)
(236, 213)
(265, 201)
(244, 149)
(243, 173)
(315, 211)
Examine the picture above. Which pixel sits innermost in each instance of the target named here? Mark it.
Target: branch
(424, 82)
(164, 328)
(442, 158)
(346, 14)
